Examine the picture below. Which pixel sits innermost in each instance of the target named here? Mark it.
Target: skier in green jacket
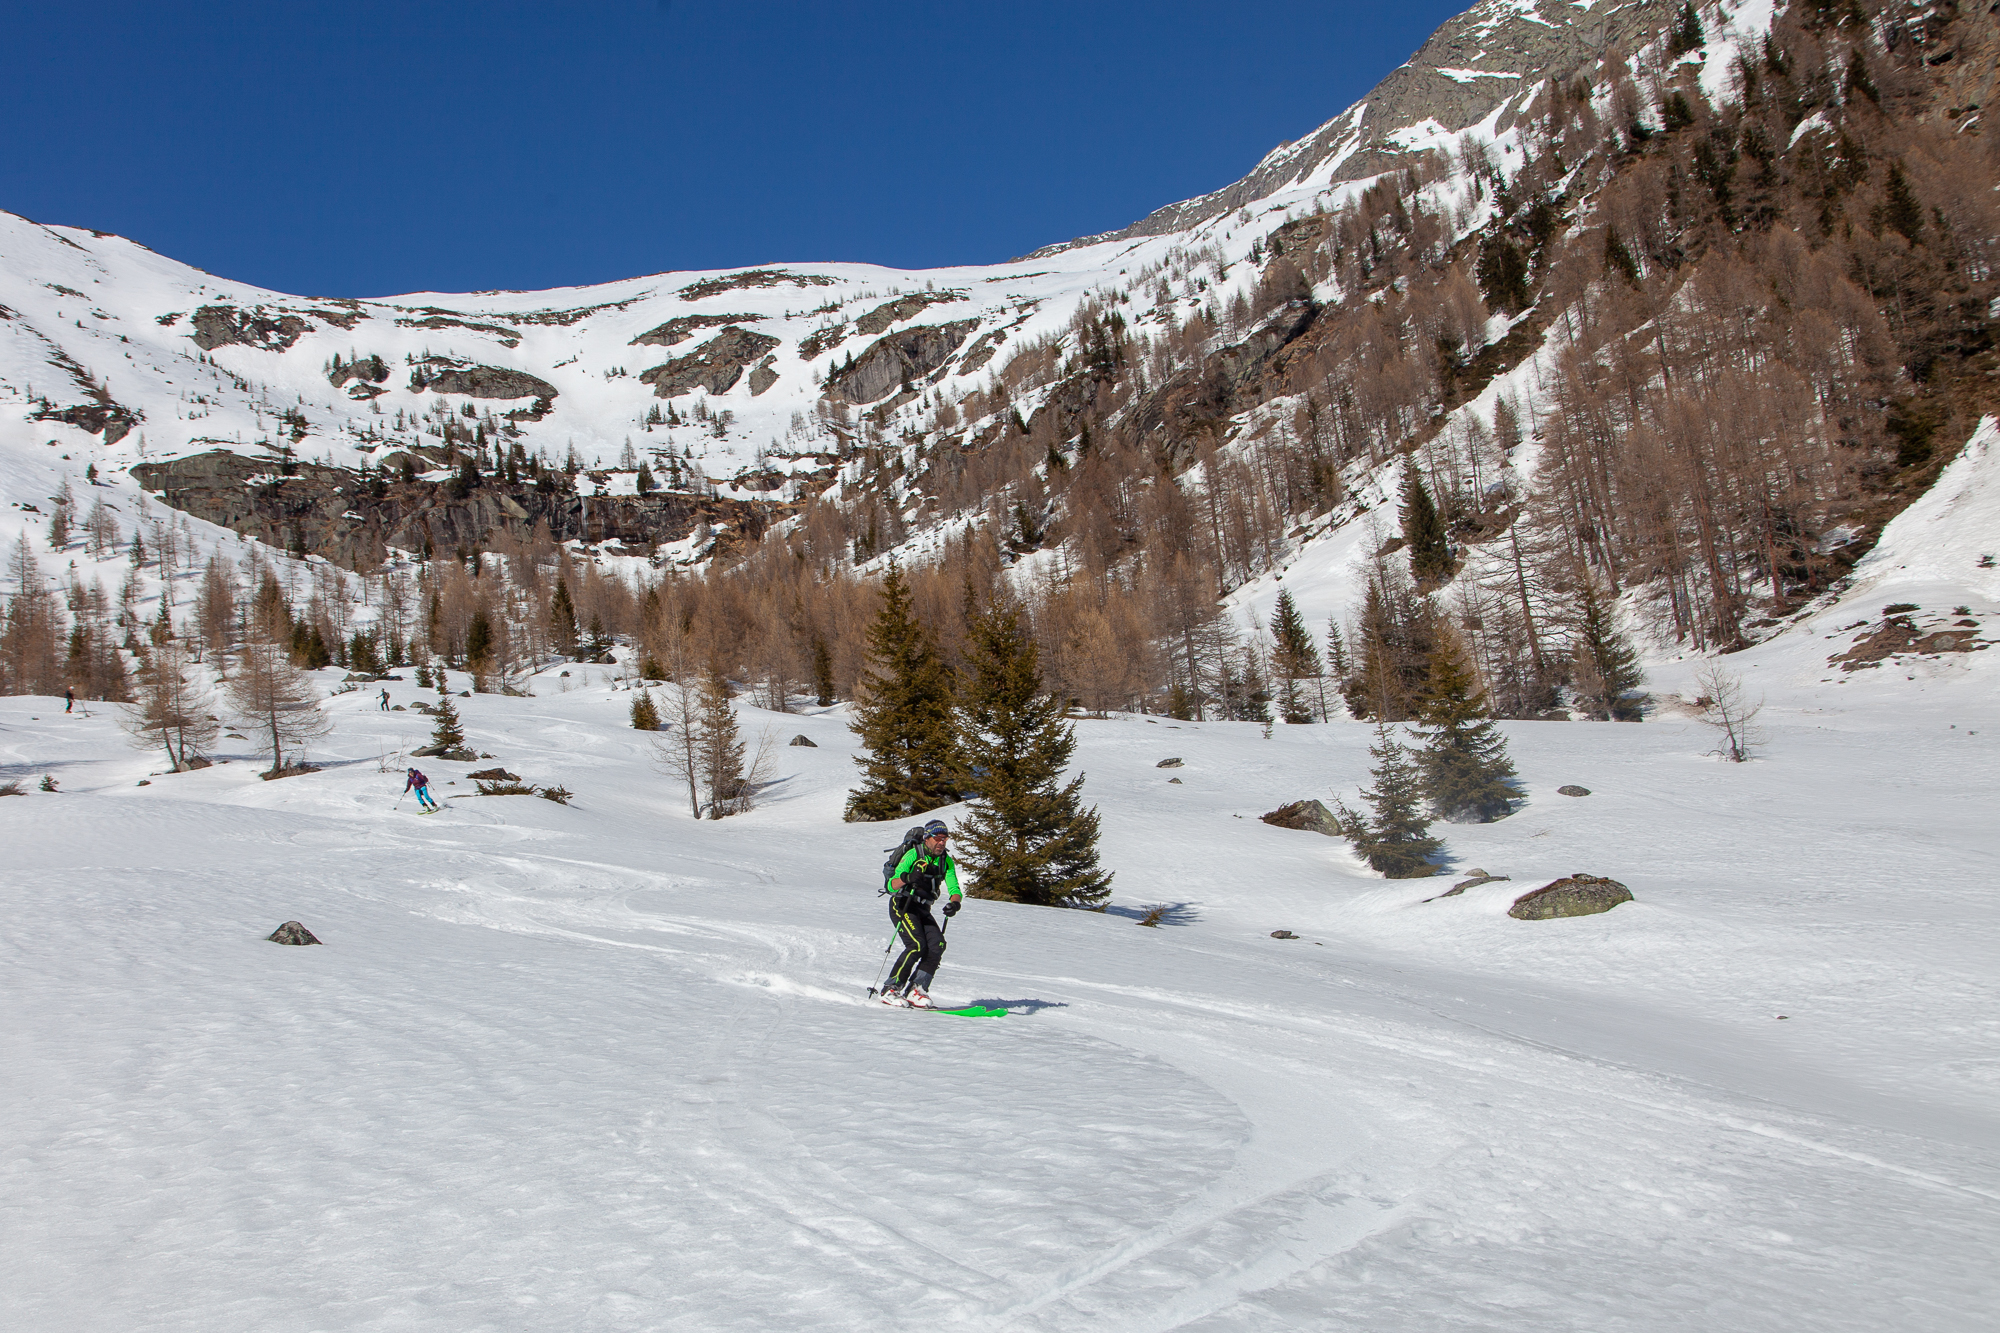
(924, 869)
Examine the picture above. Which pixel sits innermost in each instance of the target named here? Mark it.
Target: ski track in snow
(607, 1067)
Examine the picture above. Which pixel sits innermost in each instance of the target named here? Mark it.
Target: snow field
(603, 1066)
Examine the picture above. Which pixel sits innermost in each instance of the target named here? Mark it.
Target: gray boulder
(1307, 816)
(1576, 895)
(292, 933)
(1168, 763)
(1572, 790)
(805, 740)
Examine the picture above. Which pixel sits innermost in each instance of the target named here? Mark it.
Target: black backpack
(897, 853)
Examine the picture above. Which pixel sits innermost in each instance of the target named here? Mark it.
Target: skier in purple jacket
(421, 785)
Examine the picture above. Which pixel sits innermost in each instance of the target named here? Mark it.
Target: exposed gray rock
(456, 754)
(1477, 878)
(326, 511)
(1169, 763)
(898, 360)
(1576, 895)
(507, 337)
(900, 309)
(110, 420)
(372, 369)
(494, 774)
(715, 366)
(219, 325)
(1572, 790)
(292, 933)
(756, 277)
(1307, 816)
(680, 329)
(805, 740)
(492, 382)
(763, 377)
(1283, 935)
(822, 340)
(1176, 782)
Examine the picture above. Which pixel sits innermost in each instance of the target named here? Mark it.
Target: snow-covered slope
(603, 1066)
(118, 354)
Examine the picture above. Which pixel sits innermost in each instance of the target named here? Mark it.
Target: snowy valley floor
(605, 1067)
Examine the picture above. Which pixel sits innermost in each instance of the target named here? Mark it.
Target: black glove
(951, 908)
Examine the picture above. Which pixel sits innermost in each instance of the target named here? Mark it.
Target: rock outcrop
(686, 326)
(221, 325)
(292, 933)
(899, 360)
(894, 312)
(369, 369)
(492, 382)
(110, 420)
(755, 277)
(331, 512)
(1306, 816)
(715, 366)
(1575, 895)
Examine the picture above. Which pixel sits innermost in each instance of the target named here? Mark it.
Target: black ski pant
(923, 943)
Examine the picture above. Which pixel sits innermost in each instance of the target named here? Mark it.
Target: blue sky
(364, 149)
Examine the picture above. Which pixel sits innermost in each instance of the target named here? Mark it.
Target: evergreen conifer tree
(1028, 838)
(562, 618)
(645, 713)
(1294, 658)
(1423, 531)
(720, 747)
(1608, 675)
(1395, 837)
(1467, 777)
(479, 644)
(822, 671)
(909, 739)
(446, 733)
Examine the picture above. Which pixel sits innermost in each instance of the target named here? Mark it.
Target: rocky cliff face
(352, 521)
(1455, 80)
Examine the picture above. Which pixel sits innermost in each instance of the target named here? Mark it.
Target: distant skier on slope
(924, 869)
(421, 785)
(385, 700)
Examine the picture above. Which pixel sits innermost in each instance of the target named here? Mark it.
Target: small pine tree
(446, 733)
(562, 618)
(1467, 777)
(479, 644)
(1608, 674)
(1687, 34)
(1028, 840)
(1423, 531)
(909, 739)
(644, 482)
(1900, 212)
(1294, 658)
(1395, 838)
(645, 713)
(720, 748)
(822, 672)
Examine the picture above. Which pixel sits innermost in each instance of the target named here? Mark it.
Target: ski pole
(885, 964)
